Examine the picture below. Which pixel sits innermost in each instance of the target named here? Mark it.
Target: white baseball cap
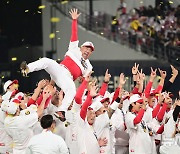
(135, 98)
(12, 106)
(8, 83)
(96, 104)
(107, 96)
(88, 44)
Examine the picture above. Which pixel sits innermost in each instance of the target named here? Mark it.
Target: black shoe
(24, 68)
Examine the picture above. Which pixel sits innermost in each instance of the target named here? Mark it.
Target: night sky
(20, 22)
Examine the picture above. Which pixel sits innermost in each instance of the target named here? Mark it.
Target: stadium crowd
(157, 28)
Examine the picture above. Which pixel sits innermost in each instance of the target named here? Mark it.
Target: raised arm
(122, 81)
(169, 83)
(87, 103)
(40, 109)
(104, 85)
(74, 31)
(134, 71)
(149, 85)
(37, 92)
(161, 83)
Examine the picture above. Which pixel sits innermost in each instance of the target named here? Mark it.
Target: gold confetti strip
(64, 2)
(26, 11)
(55, 19)
(170, 2)
(42, 7)
(14, 58)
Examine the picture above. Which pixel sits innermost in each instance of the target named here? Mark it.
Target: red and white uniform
(86, 135)
(140, 141)
(67, 71)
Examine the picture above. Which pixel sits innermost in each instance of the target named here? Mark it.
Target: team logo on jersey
(27, 112)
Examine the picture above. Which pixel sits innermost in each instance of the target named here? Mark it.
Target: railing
(101, 25)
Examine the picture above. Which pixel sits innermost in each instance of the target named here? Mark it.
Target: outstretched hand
(107, 76)
(74, 13)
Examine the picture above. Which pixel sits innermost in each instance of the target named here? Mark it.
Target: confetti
(42, 7)
(52, 35)
(14, 58)
(64, 2)
(26, 11)
(55, 19)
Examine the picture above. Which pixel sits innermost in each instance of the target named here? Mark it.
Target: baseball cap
(105, 99)
(135, 98)
(108, 96)
(96, 104)
(12, 106)
(88, 44)
(8, 83)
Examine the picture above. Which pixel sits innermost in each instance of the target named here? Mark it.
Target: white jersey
(47, 142)
(5, 139)
(20, 129)
(148, 115)
(76, 55)
(119, 136)
(86, 138)
(71, 131)
(169, 141)
(126, 104)
(140, 141)
(102, 129)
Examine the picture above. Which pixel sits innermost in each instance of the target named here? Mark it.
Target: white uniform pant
(60, 75)
(121, 149)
